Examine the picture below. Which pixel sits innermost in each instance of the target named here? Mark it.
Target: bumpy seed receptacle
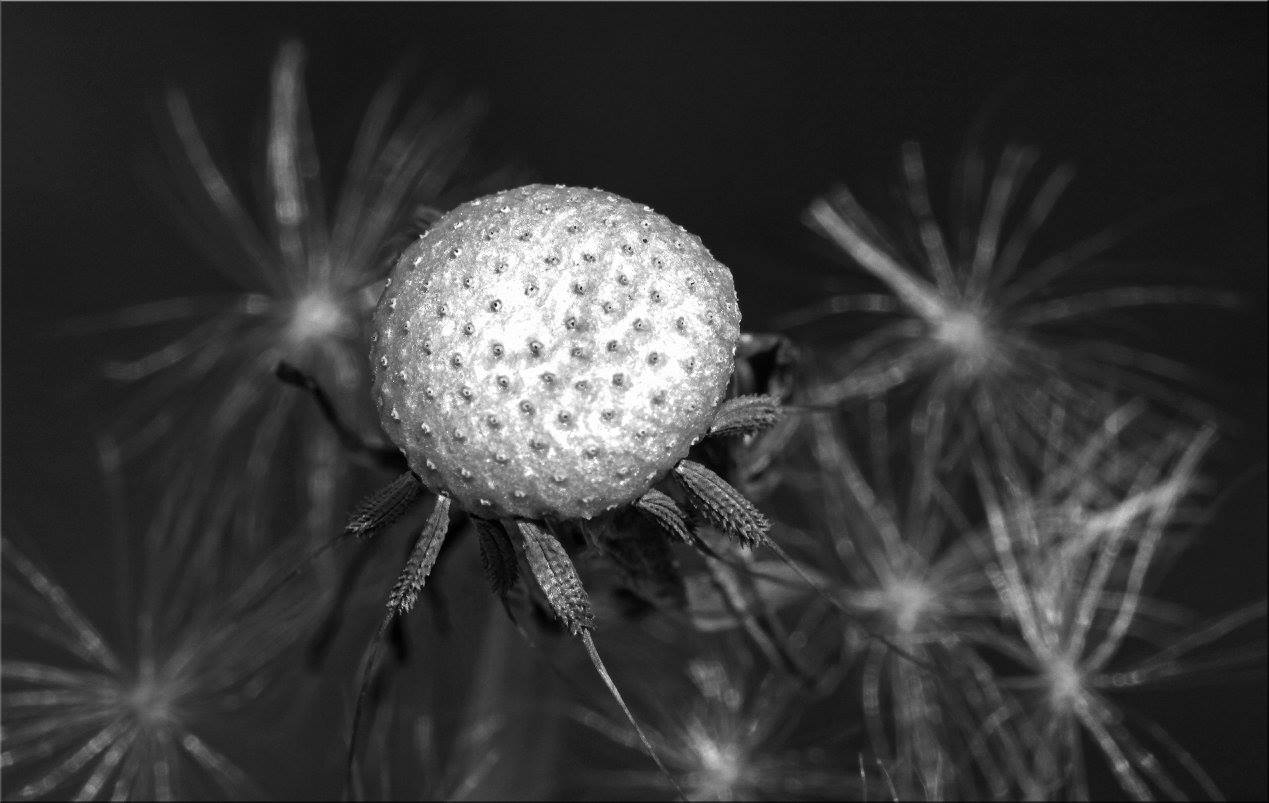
(551, 352)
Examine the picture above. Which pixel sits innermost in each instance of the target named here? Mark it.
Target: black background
(726, 118)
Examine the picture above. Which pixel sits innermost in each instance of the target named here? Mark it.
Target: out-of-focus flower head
(96, 712)
(1074, 556)
(731, 734)
(240, 447)
(915, 604)
(974, 329)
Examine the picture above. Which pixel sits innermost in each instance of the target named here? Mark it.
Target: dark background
(726, 118)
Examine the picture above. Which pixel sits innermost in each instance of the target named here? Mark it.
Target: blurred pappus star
(982, 333)
(92, 712)
(903, 563)
(1073, 558)
(309, 272)
(730, 739)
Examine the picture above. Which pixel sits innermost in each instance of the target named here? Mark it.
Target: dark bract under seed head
(490, 345)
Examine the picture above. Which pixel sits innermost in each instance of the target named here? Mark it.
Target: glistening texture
(552, 351)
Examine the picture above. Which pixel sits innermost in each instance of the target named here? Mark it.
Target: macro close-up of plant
(658, 402)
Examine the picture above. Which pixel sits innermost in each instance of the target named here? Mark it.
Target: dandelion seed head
(636, 398)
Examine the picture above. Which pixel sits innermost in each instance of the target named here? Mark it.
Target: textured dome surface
(552, 351)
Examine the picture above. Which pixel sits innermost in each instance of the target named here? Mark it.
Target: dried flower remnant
(309, 273)
(977, 330)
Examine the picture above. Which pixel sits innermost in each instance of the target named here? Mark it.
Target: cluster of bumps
(549, 354)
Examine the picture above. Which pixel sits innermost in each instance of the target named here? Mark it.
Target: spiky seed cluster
(552, 351)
